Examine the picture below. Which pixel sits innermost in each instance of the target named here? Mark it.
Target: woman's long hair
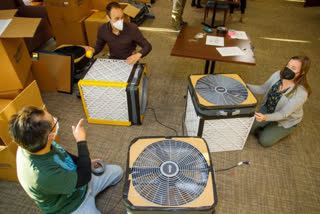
(302, 78)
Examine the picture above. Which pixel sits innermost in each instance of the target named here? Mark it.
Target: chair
(44, 31)
(220, 6)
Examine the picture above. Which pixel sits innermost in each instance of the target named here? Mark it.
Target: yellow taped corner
(109, 122)
(82, 99)
(103, 83)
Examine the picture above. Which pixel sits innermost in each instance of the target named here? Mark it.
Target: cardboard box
(4, 103)
(8, 169)
(30, 96)
(14, 56)
(130, 10)
(67, 10)
(92, 24)
(144, 1)
(101, 4)
(13, 93)
(70, 32)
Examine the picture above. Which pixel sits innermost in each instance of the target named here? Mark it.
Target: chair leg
(225, 17)
(205, 14)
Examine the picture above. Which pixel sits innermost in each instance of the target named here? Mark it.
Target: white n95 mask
(118, 24)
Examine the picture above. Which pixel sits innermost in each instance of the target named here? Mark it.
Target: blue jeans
(111, 176)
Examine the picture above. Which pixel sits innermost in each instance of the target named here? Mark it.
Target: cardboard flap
(131, 11)
(30, 96)
(60, 67)
(4, 103)
(7, 14)
(21, 27)
(44, 78)
(9, 94)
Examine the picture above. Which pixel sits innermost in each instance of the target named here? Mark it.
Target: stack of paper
(240, 35)
(230, 51)
(215, 40)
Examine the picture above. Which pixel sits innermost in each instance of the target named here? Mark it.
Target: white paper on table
(230, 51)
(215, 40)
(240, 35)
(4, 24)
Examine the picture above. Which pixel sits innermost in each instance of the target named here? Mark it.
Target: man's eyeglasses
(55, 120)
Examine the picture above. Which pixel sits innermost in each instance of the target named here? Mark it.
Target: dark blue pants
(243, 5)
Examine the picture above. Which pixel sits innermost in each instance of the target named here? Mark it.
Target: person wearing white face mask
(121, 37)
(284, 92)
(56, 180)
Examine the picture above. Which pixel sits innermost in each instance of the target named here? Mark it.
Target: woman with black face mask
(284, 92)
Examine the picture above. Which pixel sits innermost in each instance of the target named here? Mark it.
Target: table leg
(206, 68)
(213, 63)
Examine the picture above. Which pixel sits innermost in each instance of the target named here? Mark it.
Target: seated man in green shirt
(56, 180)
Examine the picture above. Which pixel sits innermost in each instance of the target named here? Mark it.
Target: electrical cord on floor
(182, 125)
(238, 164)
(155, 116)
(184, 116)
(118, 202)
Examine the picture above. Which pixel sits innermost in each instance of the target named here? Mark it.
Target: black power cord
(238, 164)
(155, 116)
(183, 121)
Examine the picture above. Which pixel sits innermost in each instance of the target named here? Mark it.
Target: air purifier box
(14, 56)
(220, 108)
(169, 175)
(68, 10)
(114, 92)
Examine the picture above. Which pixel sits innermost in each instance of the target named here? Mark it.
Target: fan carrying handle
(229, 112)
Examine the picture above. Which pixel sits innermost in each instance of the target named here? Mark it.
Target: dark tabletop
(187, 46)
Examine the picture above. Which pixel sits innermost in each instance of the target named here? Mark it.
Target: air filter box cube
(220, 108)
(114, 92)
(169, 175)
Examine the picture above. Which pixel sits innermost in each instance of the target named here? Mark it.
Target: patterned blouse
(274, 96)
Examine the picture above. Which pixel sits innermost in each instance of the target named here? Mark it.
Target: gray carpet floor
(282, 179)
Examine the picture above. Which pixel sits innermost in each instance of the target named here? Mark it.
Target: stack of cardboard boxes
(17, 88)
(67, 20)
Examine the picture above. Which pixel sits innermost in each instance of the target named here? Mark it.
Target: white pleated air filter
(114, 92)
(219, 108)
(169, 174)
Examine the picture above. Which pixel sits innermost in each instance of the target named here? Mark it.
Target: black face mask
(288, 74)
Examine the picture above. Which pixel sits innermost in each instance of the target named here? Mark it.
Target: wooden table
(187, 46)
